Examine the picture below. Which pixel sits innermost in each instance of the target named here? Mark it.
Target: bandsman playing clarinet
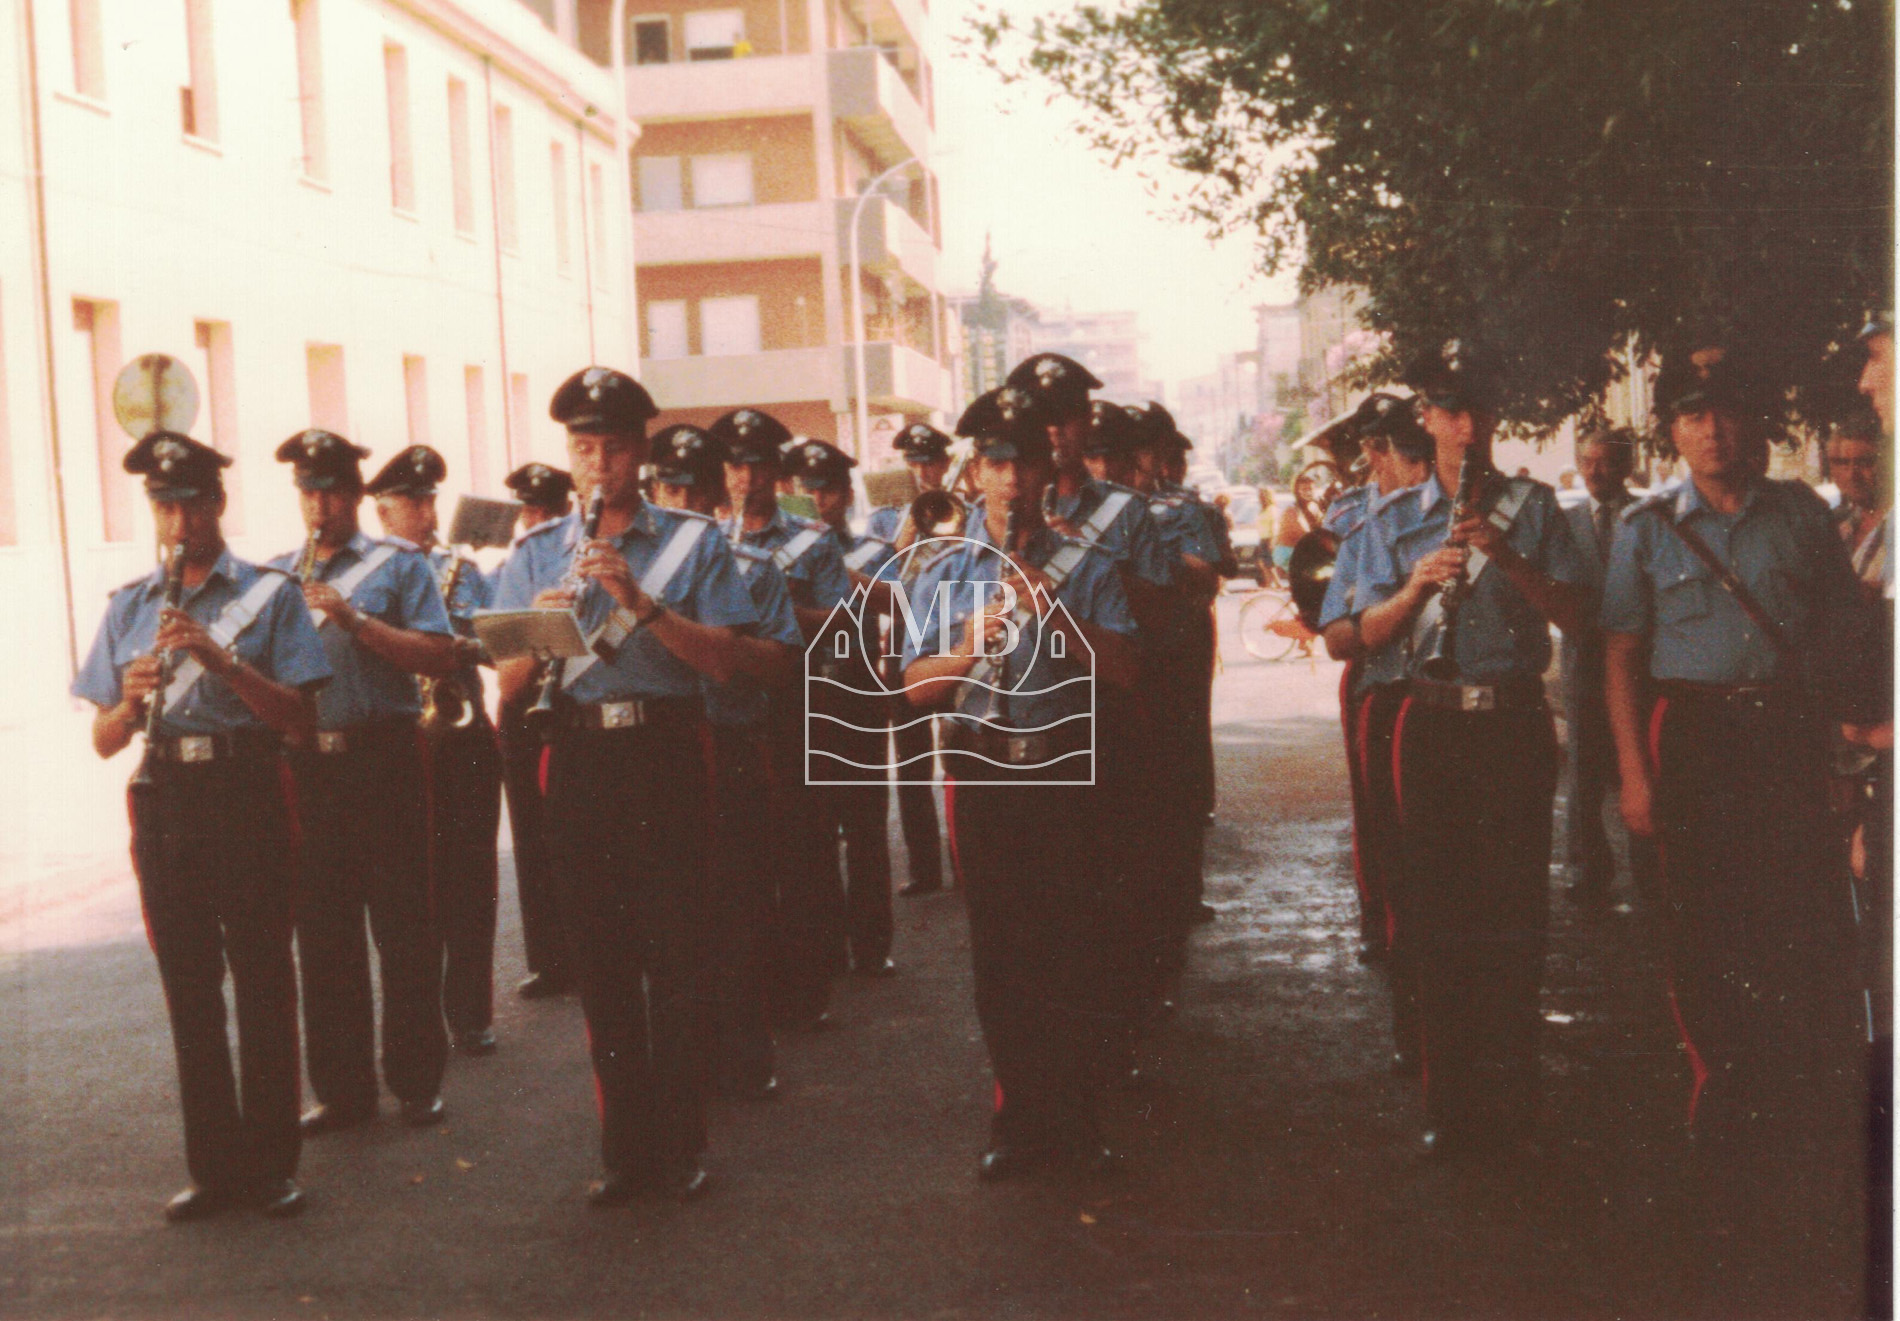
(217, 677)
(464, 758)
(361, 802)
(657, 592)
(1476, 580)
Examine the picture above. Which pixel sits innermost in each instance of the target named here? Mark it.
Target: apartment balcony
(898, 379)
(721, 89)
(890, 242)
(731, 233)
(871, 97)
(892, 22)
(774, 376)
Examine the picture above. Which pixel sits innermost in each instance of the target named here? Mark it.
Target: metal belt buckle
(332, 741)
(620, 715)
(1472, 697)
(1025, 747)
(196, 747)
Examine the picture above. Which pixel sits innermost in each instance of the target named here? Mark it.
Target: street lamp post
(861, 417)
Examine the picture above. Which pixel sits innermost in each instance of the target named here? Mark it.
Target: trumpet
(439, 695)
(143, 778)
(933, 511)
(541, 714)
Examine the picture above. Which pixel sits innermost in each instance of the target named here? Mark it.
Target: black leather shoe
(321, 1119)
(197, 1204)
(614, 1190)
(279, 1199)
(1004, 1161)
(540, 986)
(479, 1042)
(921, 887)
(875, 968)
(421, 1114)
(688, 1185)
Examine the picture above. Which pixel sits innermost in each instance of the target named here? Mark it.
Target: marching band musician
(1036, 898)
(361, 802)
(658, 594)
(464, 758)
(1475, 750)
(809, 937)
(861, 811)
(1400, 453)
(545, 494)
(689, 473)
(211, 831)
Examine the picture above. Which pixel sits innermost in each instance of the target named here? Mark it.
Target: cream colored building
(394, 218)
(760, 124)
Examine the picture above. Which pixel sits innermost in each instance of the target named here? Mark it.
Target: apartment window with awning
(714, 34)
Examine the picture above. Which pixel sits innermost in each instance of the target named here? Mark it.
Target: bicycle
(1269, 622)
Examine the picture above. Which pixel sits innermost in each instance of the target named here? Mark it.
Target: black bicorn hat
(176, 467)
(417, 471)
(1158, 427)
(600, 399)
(1705, 378)
(323, 460)
(1005, 424)
(540, 485)
(1458, 376)
(1393, 419)
(688, 456)
(1057, 383)
(751, 436)
(921, 443)
(1112, 430)
(820, 465)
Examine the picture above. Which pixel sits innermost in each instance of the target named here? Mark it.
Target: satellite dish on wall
(155, 392)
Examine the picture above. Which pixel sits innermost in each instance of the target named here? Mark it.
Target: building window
(415, 397)
(597, 232)
(729, 326)
(98, 324)
(666, 329)
(723, 180)
(220, 377)
(89, 49)
(199, 99)
(652, 40)
(661, 184)
(316, 157)
(714, 34)
(507, 232)
(329, 401)
(520, 419)
(557, 166)
(475, 396)
(461, 177)
(402, 162)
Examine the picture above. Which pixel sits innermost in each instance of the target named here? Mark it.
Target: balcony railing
(721, 89)
(731, 233)
(773, 376)
(898, 378)
(872, 98)
(890, 242)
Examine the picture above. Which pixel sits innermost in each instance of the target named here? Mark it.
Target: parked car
(1243, 524)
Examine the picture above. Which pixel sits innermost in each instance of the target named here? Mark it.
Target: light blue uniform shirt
(707, 589)
(401, 593)
(1092, 593)
(1346, 594)
(1782, 545)
(1183, 526)
(1216, 521)
(1500, 634)
(1348, 510)
(472, 590)
(817, 578)
(884, 523)
(743, 702)
(281, 644)
(1131, 541)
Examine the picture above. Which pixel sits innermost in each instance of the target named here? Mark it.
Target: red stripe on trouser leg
(1360, 749)
(1699, 1071)
(950, 825)
(541, 774)
(1398, 746)
(1698, 1067)
(997, 1099)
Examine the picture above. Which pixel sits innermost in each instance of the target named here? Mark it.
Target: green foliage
(1557, 179)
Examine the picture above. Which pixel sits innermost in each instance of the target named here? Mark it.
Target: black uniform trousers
(543, 933)
(213, 848)
(1380, 850)
(916, 749)
(464, 818)
(1475, 791)
(1142, 942)
(627, 813)
(1044, 993)
(807, 941)
(1367, 880)
(1593, 776)
(364, 815)
(858, 817)
(734, 1022)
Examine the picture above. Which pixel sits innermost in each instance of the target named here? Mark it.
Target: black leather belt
(1511, 695)
(634, 713)
(198, 749)
(1758, 695)
(368, 736)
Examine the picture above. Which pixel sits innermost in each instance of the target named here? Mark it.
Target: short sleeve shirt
(813, 565)
(469, 591)
(1131, 541)
(743, 702)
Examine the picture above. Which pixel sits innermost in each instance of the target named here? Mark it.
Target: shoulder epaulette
(401, 543)
(542, 529)
(754, 553)
(693, 513)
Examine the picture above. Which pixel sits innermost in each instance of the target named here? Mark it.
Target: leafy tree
(1559, 180)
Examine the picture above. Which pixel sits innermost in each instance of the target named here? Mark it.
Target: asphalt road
(1271, 1170)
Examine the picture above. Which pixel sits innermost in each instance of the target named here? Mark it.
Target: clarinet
(541, 715)
(1440, 660)
(145, 777)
